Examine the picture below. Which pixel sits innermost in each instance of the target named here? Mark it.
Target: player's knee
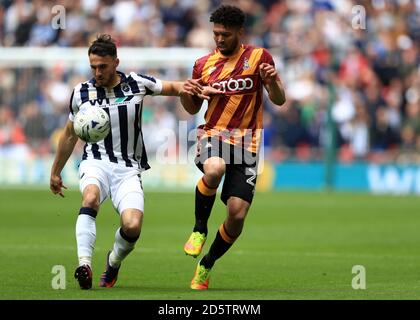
(214, 170)
(237, 216)
(90, 200)
(237, 209)
(132, 229)
(131, 223)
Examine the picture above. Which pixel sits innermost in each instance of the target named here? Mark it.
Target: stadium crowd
(364, 73)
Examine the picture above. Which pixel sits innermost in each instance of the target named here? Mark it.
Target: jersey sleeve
(152, 85)
(196, 73)
(73, 106)
(266, 57)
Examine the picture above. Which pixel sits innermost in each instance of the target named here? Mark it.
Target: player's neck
(115, 81)
(234, 52)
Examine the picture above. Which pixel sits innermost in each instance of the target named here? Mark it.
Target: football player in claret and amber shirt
(229, 140)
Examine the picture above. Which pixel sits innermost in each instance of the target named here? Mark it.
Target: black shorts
(241, 167)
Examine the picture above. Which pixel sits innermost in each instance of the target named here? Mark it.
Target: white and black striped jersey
(124, 104)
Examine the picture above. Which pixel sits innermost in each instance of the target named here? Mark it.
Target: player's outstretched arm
(65, 148)
(272, 83)
(196, 93)
(191, 92)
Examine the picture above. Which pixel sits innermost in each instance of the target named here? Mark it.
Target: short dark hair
(103, 46)
(229, 16)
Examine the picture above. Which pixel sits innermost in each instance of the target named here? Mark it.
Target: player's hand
(192, 87)
(56, 185)
(268, 73)
(209, 91)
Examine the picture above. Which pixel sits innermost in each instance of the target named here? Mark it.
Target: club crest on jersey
(246, 64)
(93, 95)
(125, 87)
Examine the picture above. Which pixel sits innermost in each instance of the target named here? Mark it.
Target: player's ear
(117, 62)
(241, 31)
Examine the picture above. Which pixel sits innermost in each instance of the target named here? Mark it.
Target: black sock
(218, 248)
(89, 211)
(203, 206)
(127, 238)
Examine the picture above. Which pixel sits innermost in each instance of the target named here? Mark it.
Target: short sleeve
(266, 57)
(196, 73)
(152, 85)
(73, 107)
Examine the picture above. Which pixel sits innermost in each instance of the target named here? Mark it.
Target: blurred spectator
(12, 138)
(383, 137)
(42, 33)
(369, 78)
(359, 133)
(33, 124)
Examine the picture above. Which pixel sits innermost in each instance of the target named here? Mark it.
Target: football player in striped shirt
(229, 141)
(111, 167)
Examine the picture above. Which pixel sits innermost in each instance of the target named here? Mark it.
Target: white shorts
(122, 184)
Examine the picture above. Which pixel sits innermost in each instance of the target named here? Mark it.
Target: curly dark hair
(103, 46)
(228, 16)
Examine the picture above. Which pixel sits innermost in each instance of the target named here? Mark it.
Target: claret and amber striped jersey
(237, 115)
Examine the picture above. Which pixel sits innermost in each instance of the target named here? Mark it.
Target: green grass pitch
(294, 246)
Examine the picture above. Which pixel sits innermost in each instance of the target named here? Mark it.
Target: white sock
(121, 249)
(85, 237)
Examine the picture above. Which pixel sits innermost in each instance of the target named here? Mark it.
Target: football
(91, 123)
